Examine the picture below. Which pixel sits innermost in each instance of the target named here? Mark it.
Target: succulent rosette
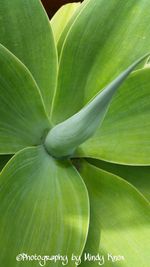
(75, 131)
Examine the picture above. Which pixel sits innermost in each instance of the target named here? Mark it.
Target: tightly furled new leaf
(125, 133)
(63, 139)
(44, 202)
(97, 48)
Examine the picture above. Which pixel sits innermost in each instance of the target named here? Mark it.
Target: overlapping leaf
(98, 47)
(23, 119)
(68, 27)
(62, 18)
(26, 32)
(119, 223)
(124, 136)
(139, 176)
(44, 209)
(65, 137)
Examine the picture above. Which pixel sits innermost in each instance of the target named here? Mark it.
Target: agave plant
(74, 134)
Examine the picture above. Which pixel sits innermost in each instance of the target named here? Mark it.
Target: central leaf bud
(64, 138)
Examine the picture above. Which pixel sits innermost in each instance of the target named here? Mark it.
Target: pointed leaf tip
(62, 18)
(65, 137)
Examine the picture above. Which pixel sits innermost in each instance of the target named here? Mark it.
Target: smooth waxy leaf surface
(61, 19)
(23, 120)
(26, 32)
(119, 219)
(91, 55)
(44, 208)
(139, 176)
(64, 138)
(124, 136)
(68, 27)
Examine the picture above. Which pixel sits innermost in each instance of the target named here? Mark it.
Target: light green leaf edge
(44, 208)
(26, 32)
(139, 176)
(119, 219)
(124, 135)
(62, 18)
(65, 137)
(91, 54)
(24, 121)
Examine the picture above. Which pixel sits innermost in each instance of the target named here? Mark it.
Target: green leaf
(125, 133)
(68, 26)
(136, 175)
(65, 137)
(23, 119)
(3, 160)
(98, 47)
(26, 32)
(119, 219)
(44, 208)
(62, 18)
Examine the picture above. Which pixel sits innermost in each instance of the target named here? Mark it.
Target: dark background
(52, 6)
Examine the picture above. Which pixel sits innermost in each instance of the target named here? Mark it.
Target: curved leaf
(68, 27)
(61, 19)
(136, 175)
(65, 137)
(91, 55)
(23, 120)
(26, 32)
(124, 136)
(119, 219)
(44, 208)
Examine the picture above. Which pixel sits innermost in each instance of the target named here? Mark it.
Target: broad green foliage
(125, 134)
(39, 219)
(98, 47)
(52, 204)
(26, 33)
(63, 139)
(139, 176)
(119, 219)
(22, 120)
